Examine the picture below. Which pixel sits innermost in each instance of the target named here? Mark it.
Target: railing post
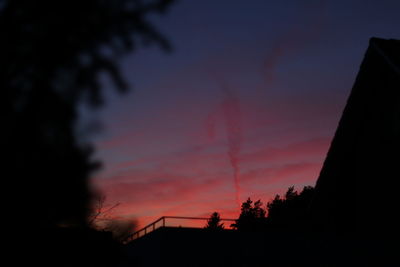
(152, 226)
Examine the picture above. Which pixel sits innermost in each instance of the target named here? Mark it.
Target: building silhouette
(356, 192)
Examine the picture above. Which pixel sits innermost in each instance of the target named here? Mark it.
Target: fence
(170, 221)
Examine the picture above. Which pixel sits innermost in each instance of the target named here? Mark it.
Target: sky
(245, 105)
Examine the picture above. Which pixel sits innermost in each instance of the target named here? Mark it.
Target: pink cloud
(177, 164)
(164, 189)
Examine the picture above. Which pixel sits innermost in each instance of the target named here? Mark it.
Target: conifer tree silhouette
(214, 222)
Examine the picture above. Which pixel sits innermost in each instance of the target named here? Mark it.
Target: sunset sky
(245, 105)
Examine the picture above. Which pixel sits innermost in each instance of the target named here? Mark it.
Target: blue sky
(290, 66)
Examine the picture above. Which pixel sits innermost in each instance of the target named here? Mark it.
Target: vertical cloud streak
(232, 116)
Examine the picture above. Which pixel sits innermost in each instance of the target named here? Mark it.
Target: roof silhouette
(356, 192)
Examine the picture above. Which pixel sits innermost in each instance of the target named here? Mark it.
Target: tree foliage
(214, 222)
(289, 211)
(51, 56)
(252, 216)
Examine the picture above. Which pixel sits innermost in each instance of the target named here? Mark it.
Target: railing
(165, 222)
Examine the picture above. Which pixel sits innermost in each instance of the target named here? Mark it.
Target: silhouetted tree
(214, 222)
(102, 219)
(100, 211)
(292, 209)
(252, 216)
(51, 56)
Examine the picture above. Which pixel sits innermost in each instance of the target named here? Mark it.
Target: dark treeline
(290, 211)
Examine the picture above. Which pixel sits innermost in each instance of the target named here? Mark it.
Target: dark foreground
(200, 247)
